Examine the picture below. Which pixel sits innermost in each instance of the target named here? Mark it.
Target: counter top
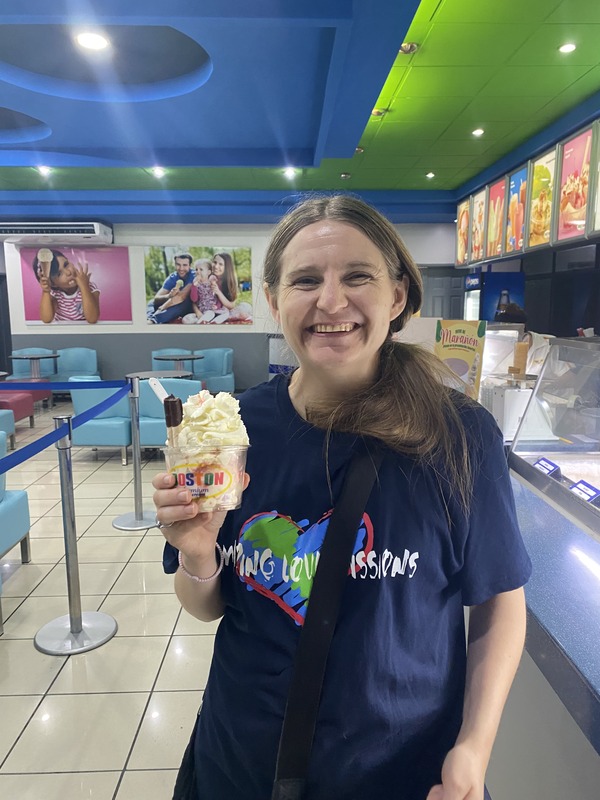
(563, 605)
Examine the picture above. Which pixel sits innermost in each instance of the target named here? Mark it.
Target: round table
(34, 361)
(3, 375)
(161, 373)
(178, 359)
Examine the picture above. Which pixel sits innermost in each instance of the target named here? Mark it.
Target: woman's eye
(305, 282)
(358, 277)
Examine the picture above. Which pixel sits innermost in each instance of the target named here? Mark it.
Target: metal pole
(75, 632)
(65, 466)
(140, 519)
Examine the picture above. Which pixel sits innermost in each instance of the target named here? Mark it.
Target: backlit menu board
(495, 217)
(515, 210)
(539, 212)
(478, 215)
(463, 217)
(574, 182)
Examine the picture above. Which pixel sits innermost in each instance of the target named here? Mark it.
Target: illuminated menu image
(542, 191)
(462, 232)
(479, 213)
(515, 212)
(574, 182)
(495, 217)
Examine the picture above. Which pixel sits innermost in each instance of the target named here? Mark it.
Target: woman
(404, 713)
(224, 285)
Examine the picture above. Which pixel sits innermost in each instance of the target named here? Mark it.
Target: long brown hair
(408, 407)
(228, 283)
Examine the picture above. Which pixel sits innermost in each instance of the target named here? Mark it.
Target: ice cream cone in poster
(459, 344)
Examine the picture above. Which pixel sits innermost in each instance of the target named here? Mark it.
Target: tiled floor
(112, 723)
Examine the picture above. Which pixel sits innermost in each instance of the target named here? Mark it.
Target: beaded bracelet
(215, 574)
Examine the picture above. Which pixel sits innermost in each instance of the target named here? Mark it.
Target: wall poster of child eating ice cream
(198, 285)
(66, 285)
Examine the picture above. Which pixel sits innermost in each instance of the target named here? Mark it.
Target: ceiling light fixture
(289, 173)
(45, 171)
(359, 150)
(345, 175)
(378, 112)
(158, 172)
(430, 175)
(92, 41)
(569, 47)
(478, 132)
(408, 48)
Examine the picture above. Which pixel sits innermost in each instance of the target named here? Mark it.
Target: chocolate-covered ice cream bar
(173, 416)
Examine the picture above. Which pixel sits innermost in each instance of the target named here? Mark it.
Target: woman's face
(336, 300)
(218, 266)
(65, 277)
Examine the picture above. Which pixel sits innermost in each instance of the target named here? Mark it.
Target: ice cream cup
(214, 475)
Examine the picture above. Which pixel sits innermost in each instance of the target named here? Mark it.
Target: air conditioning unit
(55, 233)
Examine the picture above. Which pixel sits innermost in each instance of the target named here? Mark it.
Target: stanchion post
(140, 519)
(65, 466)
(74, 632)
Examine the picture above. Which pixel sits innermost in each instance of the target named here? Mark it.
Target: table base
(129, 522)
(56, 638)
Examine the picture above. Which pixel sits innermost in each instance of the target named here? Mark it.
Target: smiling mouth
(342, 327)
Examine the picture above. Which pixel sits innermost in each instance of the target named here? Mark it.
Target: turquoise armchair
(215, 369)
(111, 428)
(14, 521)
(153, 430)
(74, 361)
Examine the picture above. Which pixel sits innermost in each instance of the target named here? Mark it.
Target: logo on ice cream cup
(203, 481)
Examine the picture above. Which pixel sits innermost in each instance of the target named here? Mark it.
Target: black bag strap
(321, 616)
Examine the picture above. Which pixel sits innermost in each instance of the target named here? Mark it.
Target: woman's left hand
(463, 776)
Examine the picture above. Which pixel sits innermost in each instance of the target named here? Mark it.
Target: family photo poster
(66, 285)
(198, 285)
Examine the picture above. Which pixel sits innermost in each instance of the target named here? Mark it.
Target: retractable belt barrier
(75, 632)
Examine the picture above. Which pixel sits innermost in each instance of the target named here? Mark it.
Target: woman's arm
(194, 534)
(496, 639)
(90, 300)
(47, 302)
(218, 293)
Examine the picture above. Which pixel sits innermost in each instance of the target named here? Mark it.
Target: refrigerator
(487, 293)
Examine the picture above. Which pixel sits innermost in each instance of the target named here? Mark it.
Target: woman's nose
(332, 296)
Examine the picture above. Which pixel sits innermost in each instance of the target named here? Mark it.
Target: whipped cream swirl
(210, 421)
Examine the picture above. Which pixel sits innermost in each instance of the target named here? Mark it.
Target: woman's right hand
(193, 532)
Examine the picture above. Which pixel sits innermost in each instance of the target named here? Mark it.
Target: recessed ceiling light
(45, 171)
(289, 173)
(430, 175)
(408, 48)
(92, 41)
(568, 47)
(158, 172)
(345, 175)
(359, 150)
(378, 112)
(478, 132)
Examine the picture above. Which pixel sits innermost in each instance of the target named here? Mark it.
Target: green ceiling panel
(513, 81)
(513, 12)
(440, 81)
(541, 49)
(585, 11)
(484, 109)
(471, 44)
(429, 109)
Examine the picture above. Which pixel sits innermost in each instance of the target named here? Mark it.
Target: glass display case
(556, 448)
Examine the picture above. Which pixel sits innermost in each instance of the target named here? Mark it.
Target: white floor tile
(18, 580)
(35, 612)
(87, 491)
(143, 578)
(84, 507)
(103, 526)
(110, 549)
(43, 551)
(78, 732)
(41, 490)
(165, 730)
(14, 713)
(143, 614)
(149, 549)
(149, 785)
(93, 578)
(61, 786)
(190, 626)
(186, 664)
(124, 664)
(24, 670)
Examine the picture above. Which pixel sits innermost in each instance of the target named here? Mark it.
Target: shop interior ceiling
(224, 94)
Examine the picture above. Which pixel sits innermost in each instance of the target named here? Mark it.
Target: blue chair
(7, 424)
(21, 370)
(14, 521)
(153, 430)
(215, 369)
(75, 361)
(171, 351)
(111, 428)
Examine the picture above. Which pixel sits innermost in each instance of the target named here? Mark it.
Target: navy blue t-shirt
(392, 698)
